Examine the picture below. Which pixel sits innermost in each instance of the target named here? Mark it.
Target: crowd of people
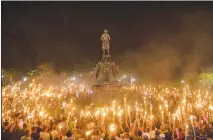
(66, 129)
(157, 113)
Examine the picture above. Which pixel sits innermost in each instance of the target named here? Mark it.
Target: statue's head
(105, 31)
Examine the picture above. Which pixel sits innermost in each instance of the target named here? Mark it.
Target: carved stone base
(106, 57)
(106, 72)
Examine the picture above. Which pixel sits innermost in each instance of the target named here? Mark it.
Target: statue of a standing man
(105, 38)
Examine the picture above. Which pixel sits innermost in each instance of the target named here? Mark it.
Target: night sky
(68, 33)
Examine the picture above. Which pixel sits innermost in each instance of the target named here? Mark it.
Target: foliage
(206, 76)
(7, 76)
(206, 80)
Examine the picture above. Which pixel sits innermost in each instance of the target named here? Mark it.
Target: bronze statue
(105, 38)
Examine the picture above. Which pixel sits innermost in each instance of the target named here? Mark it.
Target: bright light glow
(192, 117)
(104, 114)
(187, 126)
(25, 79)
(28, 117)
(112, 127)
(120, 113)
(211, 107)
(48, 94)
(97, 113)
(182, 81)
(89, 132)
(59, 96)
(76, 121)
(41, 113)
(64, 104)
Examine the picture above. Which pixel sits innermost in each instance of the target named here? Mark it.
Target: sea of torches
(35, 101)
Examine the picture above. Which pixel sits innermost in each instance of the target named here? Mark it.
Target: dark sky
(68, 33)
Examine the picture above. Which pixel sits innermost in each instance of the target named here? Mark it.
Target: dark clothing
(158, 124)
(168, 135)
(157, 138)
(210, 133)
(189, 137)
(197, 131)
(16, 135)
(6, 135)
(38, 129)
(35, 136)
(202, 138)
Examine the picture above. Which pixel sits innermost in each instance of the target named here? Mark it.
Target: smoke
(177, 54)
(176, 39)
(49, 76)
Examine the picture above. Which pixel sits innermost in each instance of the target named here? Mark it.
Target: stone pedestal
(106, 71)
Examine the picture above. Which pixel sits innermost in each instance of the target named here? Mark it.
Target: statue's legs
(108, 51)
(103, 51)
(107, 47)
